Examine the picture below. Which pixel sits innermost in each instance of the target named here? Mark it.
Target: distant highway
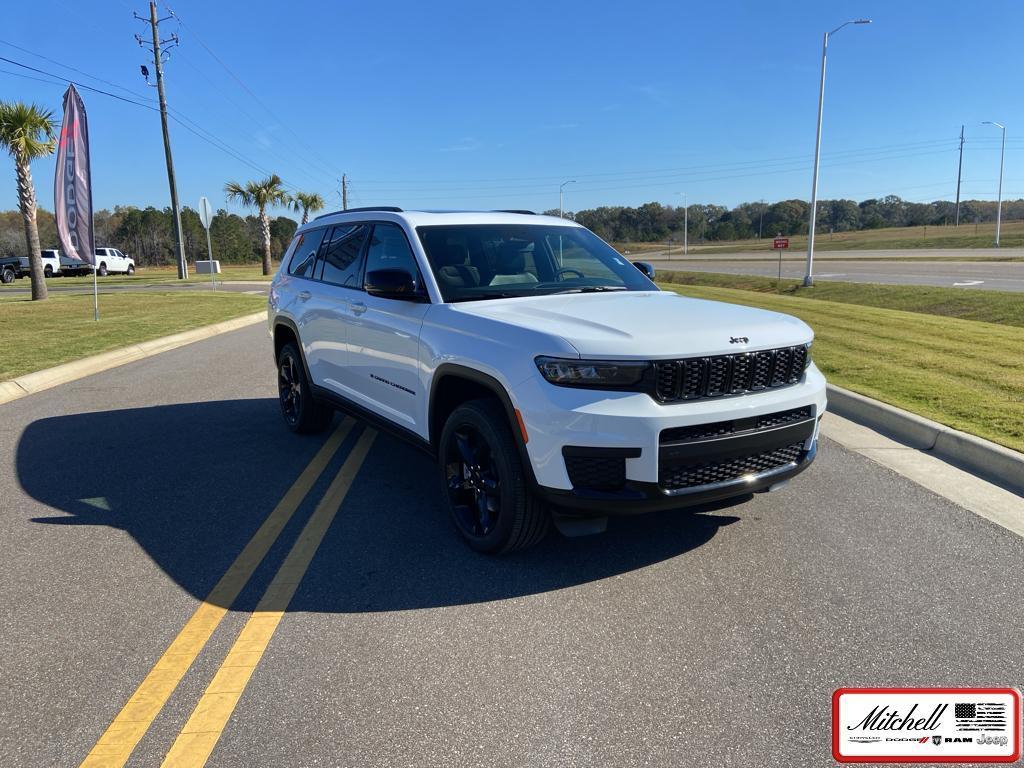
(981, 275)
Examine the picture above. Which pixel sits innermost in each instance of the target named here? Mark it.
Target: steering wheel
(559, 273)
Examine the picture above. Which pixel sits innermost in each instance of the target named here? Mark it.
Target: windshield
(489, 261)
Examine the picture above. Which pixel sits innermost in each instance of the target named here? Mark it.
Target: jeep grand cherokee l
(548, 376)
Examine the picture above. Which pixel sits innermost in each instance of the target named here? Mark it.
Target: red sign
(780, 242)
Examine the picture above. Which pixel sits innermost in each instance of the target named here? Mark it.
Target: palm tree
(27, 132)
(259, 195)
(307, 202)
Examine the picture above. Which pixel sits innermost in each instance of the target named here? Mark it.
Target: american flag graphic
(980, 716)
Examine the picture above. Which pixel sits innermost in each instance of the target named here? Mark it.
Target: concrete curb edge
(980, 457)
(37, 381)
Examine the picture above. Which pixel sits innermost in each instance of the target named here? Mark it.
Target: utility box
(206, 267)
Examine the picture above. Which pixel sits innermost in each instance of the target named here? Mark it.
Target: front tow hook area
(573, 526)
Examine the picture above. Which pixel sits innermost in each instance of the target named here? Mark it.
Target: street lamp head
(862, 21)
(993, 122)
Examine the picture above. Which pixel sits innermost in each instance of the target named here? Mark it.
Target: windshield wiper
(591, 289)
(485, 296)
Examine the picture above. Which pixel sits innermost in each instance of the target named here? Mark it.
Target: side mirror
(392, 284)
(646, 267)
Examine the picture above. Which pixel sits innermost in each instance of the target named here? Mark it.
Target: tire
(103, 269)
(7, 276)
(48, 271)
(484, 484)
(131, 270)
(302, 412)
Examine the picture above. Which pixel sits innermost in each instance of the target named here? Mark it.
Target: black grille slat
(769, 420)
(699, 377)
(674, 478)
(599, 473)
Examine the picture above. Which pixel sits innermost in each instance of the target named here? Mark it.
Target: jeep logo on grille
(739, 340)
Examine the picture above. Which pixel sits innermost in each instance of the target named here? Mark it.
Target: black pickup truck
(13, 267)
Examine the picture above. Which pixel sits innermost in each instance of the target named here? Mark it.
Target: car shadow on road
(191, 483)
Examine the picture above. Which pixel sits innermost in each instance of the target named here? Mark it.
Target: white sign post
(206, 216)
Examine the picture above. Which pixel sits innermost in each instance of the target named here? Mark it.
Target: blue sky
(488, 105)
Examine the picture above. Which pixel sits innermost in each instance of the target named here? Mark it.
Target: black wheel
(7, 275)
(48, 271)
(301, 411)
(131, 269)
(485, 483)
(103, 270)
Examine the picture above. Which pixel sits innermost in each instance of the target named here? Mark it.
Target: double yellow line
(200, 734)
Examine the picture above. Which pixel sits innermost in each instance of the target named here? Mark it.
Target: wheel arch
(454, 384)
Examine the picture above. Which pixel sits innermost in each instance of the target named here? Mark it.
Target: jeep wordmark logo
(739, 340)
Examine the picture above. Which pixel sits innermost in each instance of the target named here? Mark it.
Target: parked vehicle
(12, 268)
(51, 261)
(549, 376)
(112, 260)
(74, 267)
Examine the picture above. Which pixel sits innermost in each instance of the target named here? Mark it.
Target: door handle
(357, 307)
(305, 295)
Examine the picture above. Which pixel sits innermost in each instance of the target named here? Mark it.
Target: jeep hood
(644, 324)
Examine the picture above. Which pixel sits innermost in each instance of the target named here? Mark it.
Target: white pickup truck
(112, 260)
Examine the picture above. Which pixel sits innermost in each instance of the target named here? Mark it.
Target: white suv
(549, 377)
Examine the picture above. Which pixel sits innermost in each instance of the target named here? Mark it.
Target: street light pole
(1002, 154)
(808, 279)
(686, 223)
(560, 188)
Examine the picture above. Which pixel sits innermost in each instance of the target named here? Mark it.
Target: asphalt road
(975, 275)
(713, 638)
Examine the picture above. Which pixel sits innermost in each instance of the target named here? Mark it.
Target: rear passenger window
(304, 253)
(340, 257)
(389, 249)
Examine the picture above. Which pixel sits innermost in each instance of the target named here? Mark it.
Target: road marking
(131, 723)
(201, 733)
(970, 282)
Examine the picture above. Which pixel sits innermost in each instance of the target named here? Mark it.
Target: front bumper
(624, 453)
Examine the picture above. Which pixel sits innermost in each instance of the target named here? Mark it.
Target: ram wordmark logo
(739, 340)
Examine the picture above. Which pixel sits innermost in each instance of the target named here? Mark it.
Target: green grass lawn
(965, 236)
(153, 276)
(987, 306)
(963, 373)
(41, 334)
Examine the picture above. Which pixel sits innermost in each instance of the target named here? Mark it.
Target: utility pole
(344, 192)
(760, 222)
(959, 170)
(154, 23)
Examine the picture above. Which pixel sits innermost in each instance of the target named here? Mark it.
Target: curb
(37, 381)
(980, 457)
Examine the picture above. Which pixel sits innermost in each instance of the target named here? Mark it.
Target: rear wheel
(301, 411)
(485, 483)
(7, 275)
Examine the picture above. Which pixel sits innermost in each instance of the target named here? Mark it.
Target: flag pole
(95, 295)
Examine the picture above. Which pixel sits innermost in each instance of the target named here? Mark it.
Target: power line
(246, 88)
(78, 84)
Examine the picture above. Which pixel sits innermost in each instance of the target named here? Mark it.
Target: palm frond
(26, 130)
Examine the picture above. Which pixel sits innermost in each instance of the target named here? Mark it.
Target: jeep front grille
(679, 477)
(699, 377)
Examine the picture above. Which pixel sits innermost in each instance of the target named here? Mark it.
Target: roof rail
(515, 210)
(389, 208)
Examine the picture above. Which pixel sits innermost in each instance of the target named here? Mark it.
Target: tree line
(653, 222)
(147, 234)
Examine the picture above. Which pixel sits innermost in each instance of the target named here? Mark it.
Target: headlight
(807, 357)
(599, 374)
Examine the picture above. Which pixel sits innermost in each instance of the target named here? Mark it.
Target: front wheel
(7, 276)
(301, 411)
(131, 270)
(103, 270)
(48, 271)
(485, 484)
